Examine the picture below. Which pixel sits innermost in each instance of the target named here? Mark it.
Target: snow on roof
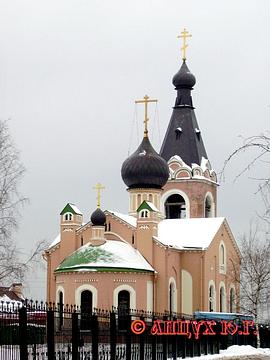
(205, 164)
(188, 233)
(152, 206)
(111, 254)
(55, 241)
(127, 218)
(178, 159)
(76, 210)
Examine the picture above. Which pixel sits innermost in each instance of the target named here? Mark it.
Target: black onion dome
(98, 217)
(145, 168)
(184, 78)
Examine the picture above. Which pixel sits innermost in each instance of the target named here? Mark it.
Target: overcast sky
(71, 70)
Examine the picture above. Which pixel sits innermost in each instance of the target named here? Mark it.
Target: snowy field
(238, 352)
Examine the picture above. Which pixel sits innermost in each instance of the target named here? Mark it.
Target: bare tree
(12, 267)
(260, 147)
(253, 276)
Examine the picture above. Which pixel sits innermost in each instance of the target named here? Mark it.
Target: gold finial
(98, 187)
(145, 101)
(184, 35)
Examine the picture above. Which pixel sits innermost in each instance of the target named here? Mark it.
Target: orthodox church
(170, 252)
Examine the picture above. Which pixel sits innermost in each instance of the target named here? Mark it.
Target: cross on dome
(99, 187)
(145, 101)
(184, 35)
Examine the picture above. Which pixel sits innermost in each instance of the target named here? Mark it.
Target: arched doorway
(86, 309)
(175, 207)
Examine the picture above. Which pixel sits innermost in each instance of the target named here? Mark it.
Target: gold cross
(98, 187)
(184, 35)
(145, 101)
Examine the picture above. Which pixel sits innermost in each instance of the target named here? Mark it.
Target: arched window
(86, 309)
(208, 207)
(60, 309)
(232, 300)
(222, 258)
(123, 308)
(144, 214)
(123, 302)
(222, 300)
(68, 217)
(175, 207)
(211, 298)
(172, 296)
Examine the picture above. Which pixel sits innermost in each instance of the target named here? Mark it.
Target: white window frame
(70, 215)
(144, 213)
(222, 285)
(212, 283)
(168, 193)
(174, 295)
(209, 196)
(82, 288)
(222, 264)
(132, 294)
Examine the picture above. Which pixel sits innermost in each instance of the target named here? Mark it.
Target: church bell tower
(191, 190)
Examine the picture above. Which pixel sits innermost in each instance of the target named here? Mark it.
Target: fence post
(75, 336)
(154, 342)
(94, 329)
(165, 342)
(174, 343)
(142, 341)
(128, 337)
(50, 334)
(23, 333)
(113, 335)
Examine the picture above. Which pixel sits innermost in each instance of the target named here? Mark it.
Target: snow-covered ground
(237, 352)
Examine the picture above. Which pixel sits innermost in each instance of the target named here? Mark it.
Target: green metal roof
(110, 256)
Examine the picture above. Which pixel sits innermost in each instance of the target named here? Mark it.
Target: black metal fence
(41, 331)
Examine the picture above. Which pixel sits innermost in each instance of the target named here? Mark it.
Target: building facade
(170, 252)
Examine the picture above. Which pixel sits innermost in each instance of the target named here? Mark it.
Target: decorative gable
(147, 205)
(71, 208)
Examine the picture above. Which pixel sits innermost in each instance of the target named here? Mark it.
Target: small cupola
(98, 220)
(184, 79)
(146, 210)
(144, 172)
(145, 168)
(71, 215)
